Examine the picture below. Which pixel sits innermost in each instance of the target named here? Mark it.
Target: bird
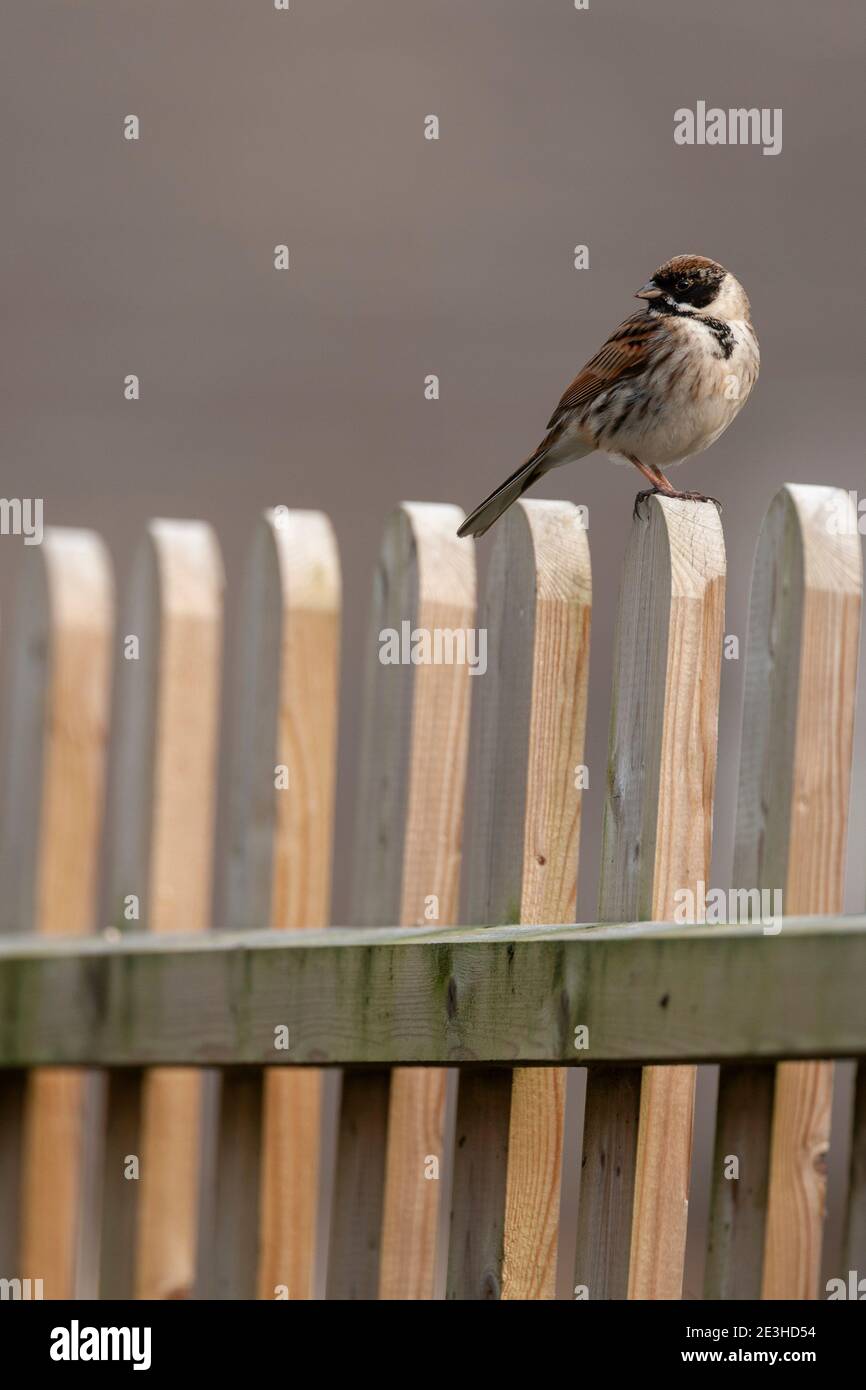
(665, 385)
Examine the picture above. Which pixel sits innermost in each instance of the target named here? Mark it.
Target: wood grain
(233, 1255)
(407, 861)
(657, 840)
(738, 1207)
(431, 863)
(815, 873)
(119, 1209)
(303, 589)
(607, 1178)
(279, 875)
(161, 848)
(523, 828)
(791, 829)
(508, 996)
(50, 840)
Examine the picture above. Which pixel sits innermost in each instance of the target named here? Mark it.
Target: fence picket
(520, 864)
(52, 822)
(160, 854)
(657, 840)
(385, 1213)
(279, 875)
(795, 766)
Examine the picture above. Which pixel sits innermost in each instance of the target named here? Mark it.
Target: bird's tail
(491, 509)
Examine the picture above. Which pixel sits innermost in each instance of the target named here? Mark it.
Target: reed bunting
(665, 385)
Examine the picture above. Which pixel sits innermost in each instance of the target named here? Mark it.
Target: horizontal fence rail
(649, 993)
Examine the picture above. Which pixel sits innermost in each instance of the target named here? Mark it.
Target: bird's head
(697, 284)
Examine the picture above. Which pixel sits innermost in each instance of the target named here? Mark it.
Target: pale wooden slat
(431, 862)
(657, 839)
(792, 811)
(161, 851)
(523, 825)
(407, 849)
(50, 837)
(815, 877)
(411, 1218)
(402, 996)
(282, 844)
(279, 872)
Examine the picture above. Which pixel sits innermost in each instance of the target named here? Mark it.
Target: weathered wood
(407, 859)
(356, 1227)
(119, 1210)
(608, 1165)
(457, 996)
(160, 858)
(235, 1213)
(792, 811)
(50, 839)
(657, 840)
(522, 836)
(854, 1244)
(478, 1203)
(279, 875)
(12, 1091)
(739, 1194)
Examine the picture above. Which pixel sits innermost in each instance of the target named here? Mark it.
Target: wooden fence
(170, 1122)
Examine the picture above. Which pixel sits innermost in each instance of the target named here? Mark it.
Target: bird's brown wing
(625, 354)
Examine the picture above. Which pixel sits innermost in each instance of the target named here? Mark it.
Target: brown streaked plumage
(665, 385)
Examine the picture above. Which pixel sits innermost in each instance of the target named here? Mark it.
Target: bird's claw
(682, 496)
(699, 497)
(642, 497)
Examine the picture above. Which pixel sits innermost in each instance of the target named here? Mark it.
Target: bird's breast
(685, 401)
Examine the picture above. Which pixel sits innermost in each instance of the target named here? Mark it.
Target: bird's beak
(648, 291)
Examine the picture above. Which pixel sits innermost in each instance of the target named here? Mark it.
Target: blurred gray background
(411, 257)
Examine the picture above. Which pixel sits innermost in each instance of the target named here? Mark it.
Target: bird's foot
(699, 497)
(642, 497)
(683, 496)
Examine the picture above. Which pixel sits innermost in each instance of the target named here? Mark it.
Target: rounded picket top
(284, 752)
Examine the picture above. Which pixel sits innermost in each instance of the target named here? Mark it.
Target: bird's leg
(654, 476)
(660, 484)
